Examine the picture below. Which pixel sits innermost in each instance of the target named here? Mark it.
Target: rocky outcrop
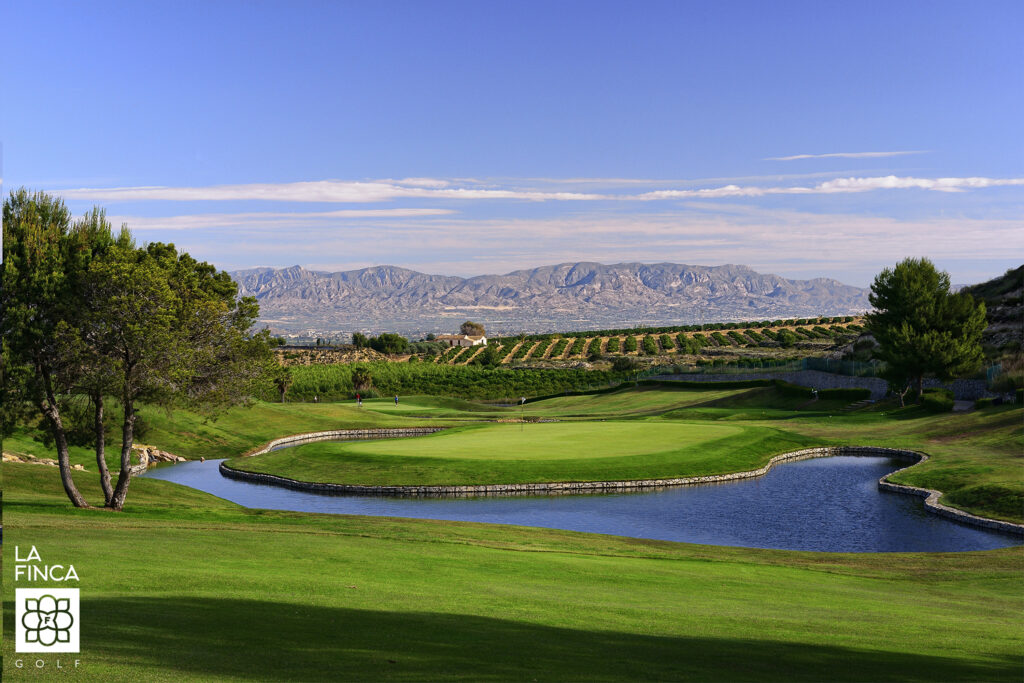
(33, 460)
(147, 456)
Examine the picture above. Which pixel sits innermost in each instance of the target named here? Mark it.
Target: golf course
(177, 580)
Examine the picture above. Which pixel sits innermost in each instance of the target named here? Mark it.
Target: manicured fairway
(536, 452)
(184, 586)
(632, 401)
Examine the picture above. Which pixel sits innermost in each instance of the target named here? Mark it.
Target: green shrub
(721, 339)
(624, 364)
(540, 348)
(650, 346)
(937, 400)
(629, 345)
(786, 338)
(788, 389)
(524, 349)
(984, 403)
(738, 338)
(558, 348)
(613, 345)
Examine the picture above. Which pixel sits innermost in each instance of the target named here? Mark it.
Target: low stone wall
(931, 497)
(931, 502)
(337, 434)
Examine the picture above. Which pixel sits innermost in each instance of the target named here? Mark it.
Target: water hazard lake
(826, 504)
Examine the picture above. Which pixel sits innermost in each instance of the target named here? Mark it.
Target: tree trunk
(125, 475)
(52, 413)
(920, 387)
(101, 460)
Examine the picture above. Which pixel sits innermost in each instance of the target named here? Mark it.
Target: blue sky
(806, 139)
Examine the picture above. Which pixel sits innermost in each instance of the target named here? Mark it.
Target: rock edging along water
(931, 496)
(339, 434)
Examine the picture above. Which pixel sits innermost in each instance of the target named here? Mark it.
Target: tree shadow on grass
(155, 638)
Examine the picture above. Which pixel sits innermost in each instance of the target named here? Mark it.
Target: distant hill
(566, 296)
(1004, 303)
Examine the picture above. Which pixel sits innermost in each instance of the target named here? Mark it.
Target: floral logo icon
(47, 620)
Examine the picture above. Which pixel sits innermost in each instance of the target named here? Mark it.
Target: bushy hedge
(937, 400)
(334, 382)
(629, 345)
(787, 389)
(614, 345)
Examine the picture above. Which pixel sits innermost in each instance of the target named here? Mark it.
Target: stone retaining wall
(931, 497)
(337, 434)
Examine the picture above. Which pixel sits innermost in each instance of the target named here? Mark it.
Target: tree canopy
(922, 328)
(88, 313)
(472, 329)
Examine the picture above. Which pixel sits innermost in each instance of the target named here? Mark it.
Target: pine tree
(923, 329)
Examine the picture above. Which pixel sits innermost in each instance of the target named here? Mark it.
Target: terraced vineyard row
(682, 343)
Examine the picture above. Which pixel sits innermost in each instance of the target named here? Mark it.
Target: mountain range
(563, 297)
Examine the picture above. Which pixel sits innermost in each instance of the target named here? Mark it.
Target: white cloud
(837, 186)
(844, 155)
(328, 191)
(847, 247)
(265, 219)
(337, 191)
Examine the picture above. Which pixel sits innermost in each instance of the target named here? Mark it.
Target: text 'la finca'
(31, 568)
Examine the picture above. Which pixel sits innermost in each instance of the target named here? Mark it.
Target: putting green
(533, 452)
(549, 441)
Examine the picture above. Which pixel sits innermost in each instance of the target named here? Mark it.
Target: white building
(461, 339)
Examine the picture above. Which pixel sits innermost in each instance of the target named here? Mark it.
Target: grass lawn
(186, 586)
(515, 453)
(977, 458)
